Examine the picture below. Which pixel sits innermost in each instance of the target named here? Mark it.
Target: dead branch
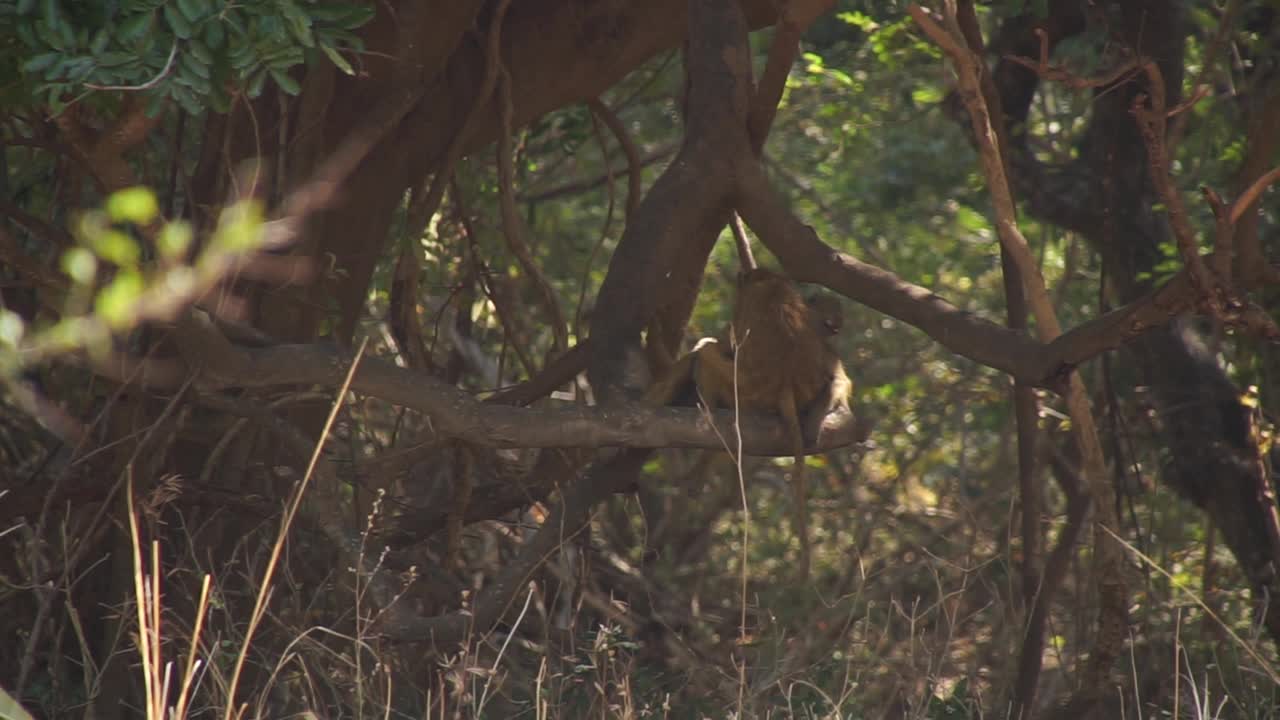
(1251, 262)
(1151, 123)
(796, 17)
(1057, 73)
(1112, 632)
(512, 334)
(587, 184)
(1208, 64)
(1025, 403)
(402, 309)
(443, 174)
(455, 413)
(1250, 196)
(632, 198)
(629, 149)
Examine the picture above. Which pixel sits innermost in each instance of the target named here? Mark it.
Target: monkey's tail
(799, 483)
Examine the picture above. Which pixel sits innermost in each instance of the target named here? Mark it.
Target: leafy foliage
(916, 547)
(198, 53)
(113, 288)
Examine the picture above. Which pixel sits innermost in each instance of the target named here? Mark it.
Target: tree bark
(1108, 197)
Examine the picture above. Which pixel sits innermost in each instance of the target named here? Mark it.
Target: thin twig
(264, 587)
(596, 114)
(164, 72)
(1109, 567)
(634, 163)
(1151, 124)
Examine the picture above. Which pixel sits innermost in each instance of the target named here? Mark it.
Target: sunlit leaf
(116, 303)
(174, 240)
(12, 328)
(116, 247)
(80, 265)
(135, 204)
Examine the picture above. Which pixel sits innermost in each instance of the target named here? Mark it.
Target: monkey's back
(780, 353)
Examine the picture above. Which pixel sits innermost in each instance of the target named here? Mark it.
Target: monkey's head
(755, 276)
(759, 284)
(828, 315)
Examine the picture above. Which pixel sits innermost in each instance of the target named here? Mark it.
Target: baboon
(777, 362)
(828, 314)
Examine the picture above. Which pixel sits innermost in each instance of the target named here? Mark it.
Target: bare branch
(634, 163)
(1112, 633)
(797, 16)
(513, 228)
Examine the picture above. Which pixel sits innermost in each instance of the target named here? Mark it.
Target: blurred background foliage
(917, 610)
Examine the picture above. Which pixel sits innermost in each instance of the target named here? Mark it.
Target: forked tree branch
(1109, 568)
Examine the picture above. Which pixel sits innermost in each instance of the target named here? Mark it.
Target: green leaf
(67, 32)
(27, 34)
(79, 69)
(198, 86)
(338, 60)
(286, 83)
(186, 99)
(270, 26)
(239, 227)
(135, 27)
(135, 204)
(115, 304)
(51, 13)
(41, 62)
(193, 10)
(100, 40)
(256, 81)
(189, 63)
(242, 57)
(48, 35)
(200, 52)
(173, 240)
(235, 24)
(155, 104)
(214, 34)
(284, 58)
(181, 27)
(116, 247)
(80, 265)
(357, 16)
(11, 331)
(330, 12)
(299, 23)
(219, 101)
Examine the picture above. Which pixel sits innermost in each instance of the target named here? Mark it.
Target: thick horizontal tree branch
(455, 413)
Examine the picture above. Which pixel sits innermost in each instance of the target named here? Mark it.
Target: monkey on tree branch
(776, 360)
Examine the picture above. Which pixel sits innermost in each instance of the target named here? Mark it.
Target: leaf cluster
(200, 54)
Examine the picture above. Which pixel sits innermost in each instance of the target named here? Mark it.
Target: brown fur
(827, 313)
(783, 366)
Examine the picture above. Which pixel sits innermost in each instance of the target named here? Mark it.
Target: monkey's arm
(835, 396)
